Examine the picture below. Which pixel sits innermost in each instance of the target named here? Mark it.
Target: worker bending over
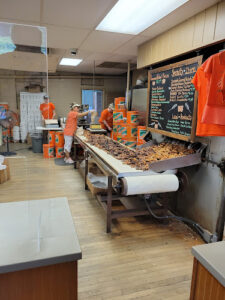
(70, 129)
(47, 109)
(106, 119)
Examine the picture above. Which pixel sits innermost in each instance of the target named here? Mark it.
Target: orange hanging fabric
(200, 82)
(214, 69)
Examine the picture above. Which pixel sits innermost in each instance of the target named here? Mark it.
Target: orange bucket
(48, 151)
(51, 138)
(59, 152)
(119, 103)
(141, 142)
(122, 131)
(118, 116)
(131, 132)
(141, 132)
(129, 143)
(59, 139)
(114, 136)
(132, 117)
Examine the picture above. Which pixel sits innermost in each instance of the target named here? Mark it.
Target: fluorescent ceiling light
(134, 16)
(70, 61)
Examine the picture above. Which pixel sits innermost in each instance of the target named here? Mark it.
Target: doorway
(94, 98)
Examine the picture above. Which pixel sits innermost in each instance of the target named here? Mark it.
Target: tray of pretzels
(157, 157)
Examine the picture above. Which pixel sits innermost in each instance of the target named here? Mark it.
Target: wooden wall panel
(207, 27)
(220, 21)
(210, 23)
(199, 29)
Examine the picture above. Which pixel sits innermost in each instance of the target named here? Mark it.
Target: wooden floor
(141, 259)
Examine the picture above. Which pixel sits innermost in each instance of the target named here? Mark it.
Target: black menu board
(172, 100)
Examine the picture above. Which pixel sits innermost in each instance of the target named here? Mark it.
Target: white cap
(111, 106)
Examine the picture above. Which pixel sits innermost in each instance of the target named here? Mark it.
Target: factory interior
(112, 150)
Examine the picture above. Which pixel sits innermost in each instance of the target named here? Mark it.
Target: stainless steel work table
(113, 169)
(39, 250)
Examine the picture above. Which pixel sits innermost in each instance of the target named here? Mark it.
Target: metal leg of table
(109, 205)
(75, 156)
(86, 170)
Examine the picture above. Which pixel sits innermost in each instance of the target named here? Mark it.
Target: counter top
(211, 256)
(36, 233)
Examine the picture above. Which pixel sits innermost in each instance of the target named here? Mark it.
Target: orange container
(122, 130)
(141, 132)
(114, 136)
(119, 103)
(48, 151)
(116, 128)
(118, 116)
(119, 139)
(59, 139)
(141, 142)
(59, 152)
(131, 132)
(130, 143)
(132, 118)
(51, 138)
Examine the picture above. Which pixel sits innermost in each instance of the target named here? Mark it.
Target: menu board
(172, 100)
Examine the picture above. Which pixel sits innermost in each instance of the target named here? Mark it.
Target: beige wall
(61, 91)
(8, 92)
(204, 28)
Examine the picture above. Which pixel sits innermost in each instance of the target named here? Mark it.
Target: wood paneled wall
(204, 28)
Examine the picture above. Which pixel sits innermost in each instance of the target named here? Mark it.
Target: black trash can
(37, 143)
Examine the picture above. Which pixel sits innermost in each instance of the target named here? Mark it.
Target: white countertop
(36, 233)
(211, 256)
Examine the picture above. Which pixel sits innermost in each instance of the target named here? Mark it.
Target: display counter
(208, 278)
(39, 250)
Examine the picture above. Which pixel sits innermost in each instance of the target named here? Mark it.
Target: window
(94, 98)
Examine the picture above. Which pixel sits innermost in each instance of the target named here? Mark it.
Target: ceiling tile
(98, 56)
(27, 35)
(76, 13)
(65, 37)
(20, 10)
(107, 42)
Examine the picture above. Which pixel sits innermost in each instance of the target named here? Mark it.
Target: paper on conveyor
(161, 183)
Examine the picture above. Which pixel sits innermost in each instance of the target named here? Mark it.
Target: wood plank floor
(141, 259)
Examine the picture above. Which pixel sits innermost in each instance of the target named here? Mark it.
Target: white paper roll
(150, 184)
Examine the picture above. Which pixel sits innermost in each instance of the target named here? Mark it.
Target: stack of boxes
(55, 146)
(119, 115)
(125, 125)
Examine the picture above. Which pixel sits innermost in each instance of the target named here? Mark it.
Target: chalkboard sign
(172, 100)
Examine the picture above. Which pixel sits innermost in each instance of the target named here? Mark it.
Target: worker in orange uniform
(106, 119)
(70, 129)
(47, 109)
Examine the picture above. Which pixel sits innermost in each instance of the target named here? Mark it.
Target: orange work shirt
(71, 123)
(200, 82)
(107, 116)
(214, 69)
(47, 110)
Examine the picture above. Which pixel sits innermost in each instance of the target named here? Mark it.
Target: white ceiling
(72, 23)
